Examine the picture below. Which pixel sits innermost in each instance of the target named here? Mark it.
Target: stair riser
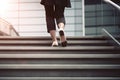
(49, 44)
(60, 52)
(60, 61)
(60, 73)
(48, 38)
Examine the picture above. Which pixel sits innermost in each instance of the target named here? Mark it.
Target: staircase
(32, 58)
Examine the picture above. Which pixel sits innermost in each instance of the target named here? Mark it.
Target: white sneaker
(54, 44)
(61, 29)
(62, 37)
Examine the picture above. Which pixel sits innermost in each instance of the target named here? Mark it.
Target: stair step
(32, 58)
(58, 56)
(85, 51)
(69, 48)
(49, 38)
(59, 78)
(48, 43)
(59, 66)
(60, 61)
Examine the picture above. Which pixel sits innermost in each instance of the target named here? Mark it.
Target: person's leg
(59, 15)
(54, 39)
(51, 28)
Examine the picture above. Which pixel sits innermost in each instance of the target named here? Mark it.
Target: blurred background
(85, 18)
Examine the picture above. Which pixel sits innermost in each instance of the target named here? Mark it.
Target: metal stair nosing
(59, 66)
(59, 56)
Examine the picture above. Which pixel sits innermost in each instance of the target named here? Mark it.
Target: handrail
(113, 4)
(111, 37)
(11, 28)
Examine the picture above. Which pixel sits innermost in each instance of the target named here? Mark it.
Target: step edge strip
(60, 56)
(57, 66)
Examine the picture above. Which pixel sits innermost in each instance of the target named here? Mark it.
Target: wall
(27, 17)
(100, 15)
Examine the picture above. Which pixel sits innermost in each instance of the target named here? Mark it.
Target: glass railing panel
(113, 18)
(98, 15)
(113, 40)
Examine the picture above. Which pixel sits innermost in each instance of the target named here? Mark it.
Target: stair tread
(46, 37)
(59, 66)
(61, 78)
(59, 56)
(70, 48)
(47, 42)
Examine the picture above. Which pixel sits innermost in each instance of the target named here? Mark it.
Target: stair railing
(113, 4)
(111, 38)
(6, 29)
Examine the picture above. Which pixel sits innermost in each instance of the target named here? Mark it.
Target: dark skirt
(65, 3)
